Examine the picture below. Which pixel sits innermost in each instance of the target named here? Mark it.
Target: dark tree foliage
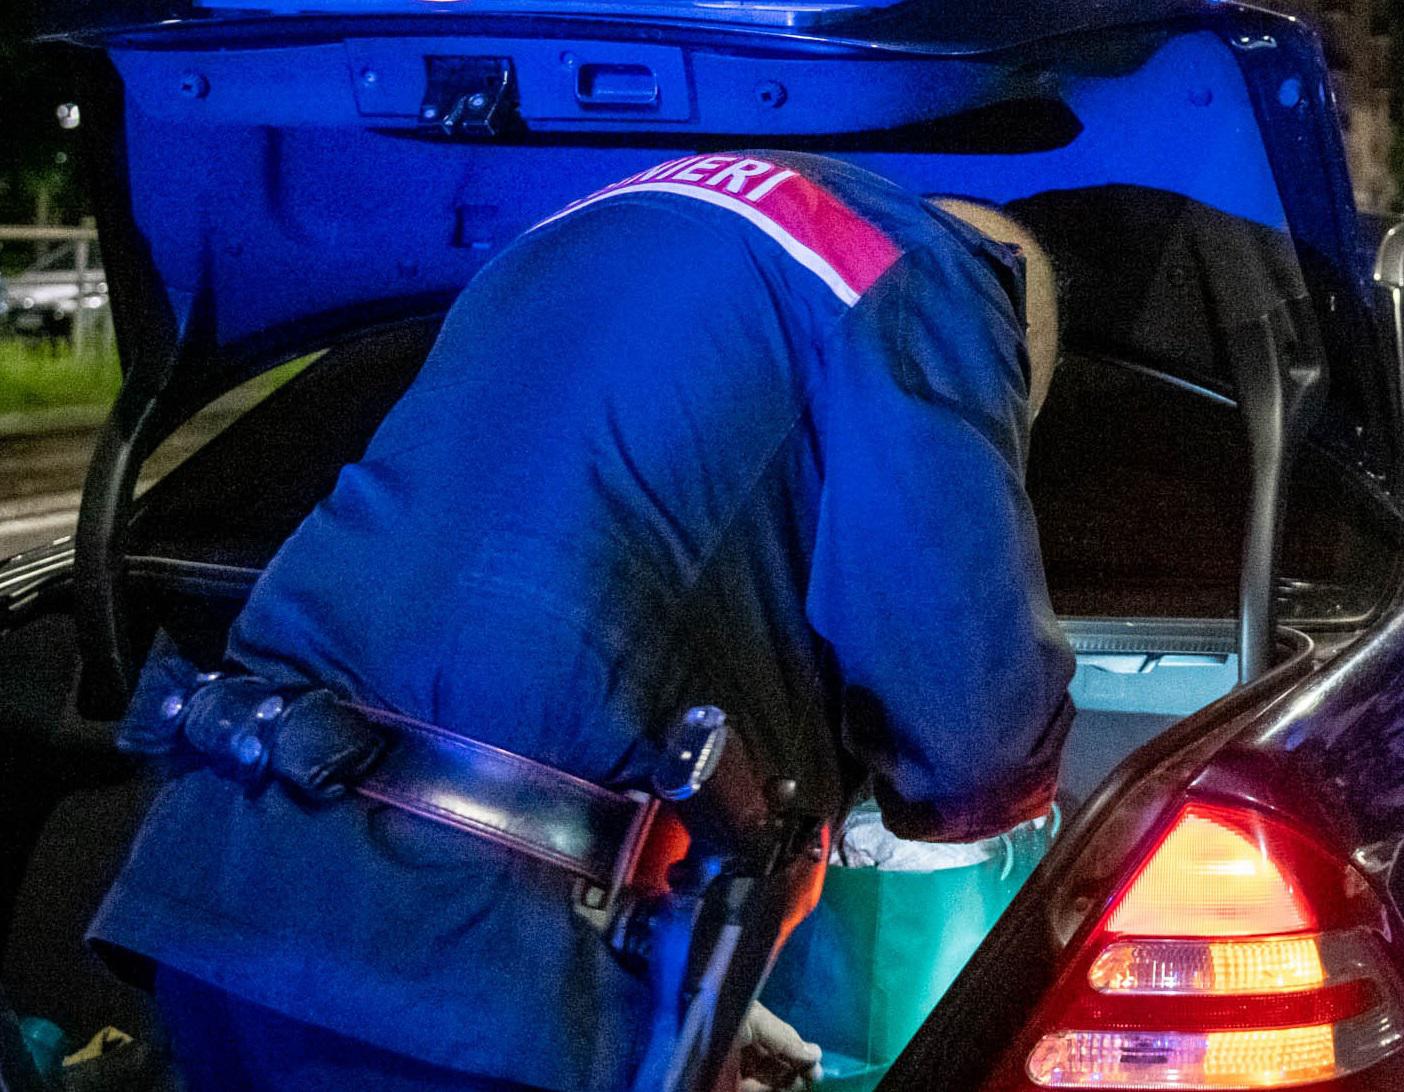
(38, 165)
(1391, 13)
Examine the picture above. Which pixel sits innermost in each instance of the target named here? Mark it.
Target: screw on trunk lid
(771, 93)
(194, 85)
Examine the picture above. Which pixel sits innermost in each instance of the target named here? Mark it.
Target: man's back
(595, 502)
(671, 448)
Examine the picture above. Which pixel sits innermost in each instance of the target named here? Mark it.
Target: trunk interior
(76, 804)
(200, 536)
(1140, 478)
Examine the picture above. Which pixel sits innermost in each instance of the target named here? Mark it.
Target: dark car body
(1216, 473)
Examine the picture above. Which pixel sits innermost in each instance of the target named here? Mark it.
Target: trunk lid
(277, 175)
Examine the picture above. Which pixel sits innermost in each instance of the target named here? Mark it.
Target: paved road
(34, 521)
(41, 476)
(54, 462)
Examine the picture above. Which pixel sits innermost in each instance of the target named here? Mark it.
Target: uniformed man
(744, 429)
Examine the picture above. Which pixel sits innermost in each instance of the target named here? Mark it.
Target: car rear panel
(1319, 757)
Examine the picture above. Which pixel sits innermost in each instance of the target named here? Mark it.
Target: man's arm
(927, 580)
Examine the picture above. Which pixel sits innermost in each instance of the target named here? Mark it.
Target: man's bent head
(1041, 287)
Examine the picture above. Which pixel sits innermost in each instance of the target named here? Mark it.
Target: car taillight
(1238, 955)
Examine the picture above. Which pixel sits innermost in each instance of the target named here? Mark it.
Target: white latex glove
(770, 1056)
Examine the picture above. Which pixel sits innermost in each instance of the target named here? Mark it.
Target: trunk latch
(468, 96)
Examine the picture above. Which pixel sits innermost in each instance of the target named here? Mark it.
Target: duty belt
(742, 866)
(323, 748)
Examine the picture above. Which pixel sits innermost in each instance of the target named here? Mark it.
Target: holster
(752, 869)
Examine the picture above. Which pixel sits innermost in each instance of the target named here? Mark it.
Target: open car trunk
(1217, 328)
(78, 803)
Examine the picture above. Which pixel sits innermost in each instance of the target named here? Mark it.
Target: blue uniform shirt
(746, 430)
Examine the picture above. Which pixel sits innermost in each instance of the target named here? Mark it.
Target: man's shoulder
(904, 215)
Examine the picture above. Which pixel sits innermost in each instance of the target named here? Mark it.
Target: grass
(37, 376)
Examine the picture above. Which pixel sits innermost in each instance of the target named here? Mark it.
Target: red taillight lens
(1238, 955)
(1210, 878)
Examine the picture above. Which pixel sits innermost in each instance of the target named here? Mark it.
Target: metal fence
(62, 295)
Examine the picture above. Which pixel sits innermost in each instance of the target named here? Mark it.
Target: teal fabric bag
(863, 971)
